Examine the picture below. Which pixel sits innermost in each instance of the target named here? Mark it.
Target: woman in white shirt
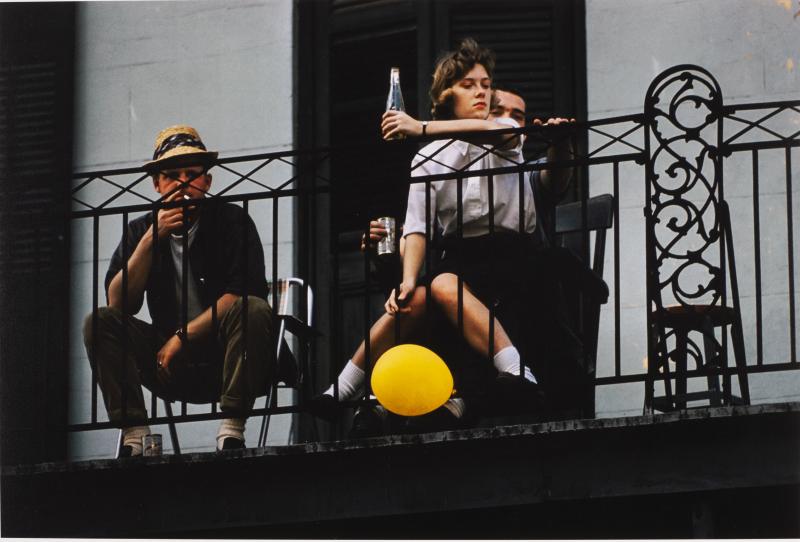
(473, 234)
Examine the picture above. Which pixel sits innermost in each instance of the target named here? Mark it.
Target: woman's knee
(418, 299)
(444, 288)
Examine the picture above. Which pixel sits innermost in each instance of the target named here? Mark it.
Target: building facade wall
(224, 68)
(751, 48)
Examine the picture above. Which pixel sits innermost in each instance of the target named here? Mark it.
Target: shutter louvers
(28, 168)
(522, 38)
(36, 98)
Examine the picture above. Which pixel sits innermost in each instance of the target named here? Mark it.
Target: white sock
(507, 360)
(456, 407)
(230, 427)
(132, 436)
(351, 381)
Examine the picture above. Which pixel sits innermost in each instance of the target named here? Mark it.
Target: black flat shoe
(518, 394)
(324, 406)
(440, 419)
(232, 443)
(125, 451)
(366, 423)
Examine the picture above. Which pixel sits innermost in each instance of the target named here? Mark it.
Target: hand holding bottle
(396, 123)
(394, 102)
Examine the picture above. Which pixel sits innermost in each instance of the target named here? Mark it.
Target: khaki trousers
(122, 352)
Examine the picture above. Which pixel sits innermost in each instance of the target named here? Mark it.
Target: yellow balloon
(411, 380)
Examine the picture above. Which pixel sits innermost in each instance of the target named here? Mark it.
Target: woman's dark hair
(451, 68)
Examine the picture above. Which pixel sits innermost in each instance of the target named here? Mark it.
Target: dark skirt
(521, 282)
(501, 271)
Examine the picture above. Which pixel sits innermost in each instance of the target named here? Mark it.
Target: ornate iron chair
(689, 243)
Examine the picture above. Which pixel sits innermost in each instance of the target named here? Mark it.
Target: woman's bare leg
(390, 329)
(387, 331)
(444, 290)
(516, 394)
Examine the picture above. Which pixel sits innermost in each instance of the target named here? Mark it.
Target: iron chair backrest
(284, 285)
(684, 193)
(688, 243)
(599, 218)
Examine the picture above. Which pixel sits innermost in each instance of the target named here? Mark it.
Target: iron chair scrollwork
(689, 245)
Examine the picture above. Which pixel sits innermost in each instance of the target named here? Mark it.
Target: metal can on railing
(388, 245)
(151, 445)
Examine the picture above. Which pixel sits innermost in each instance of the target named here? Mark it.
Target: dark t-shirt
(225, 257)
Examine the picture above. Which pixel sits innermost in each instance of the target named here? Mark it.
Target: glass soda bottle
(394, 102)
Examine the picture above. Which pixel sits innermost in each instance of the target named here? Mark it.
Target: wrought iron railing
(613, 155)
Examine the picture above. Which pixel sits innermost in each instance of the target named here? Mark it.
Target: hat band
(177, 140)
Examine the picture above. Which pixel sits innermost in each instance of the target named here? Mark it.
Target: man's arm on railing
(556, 181)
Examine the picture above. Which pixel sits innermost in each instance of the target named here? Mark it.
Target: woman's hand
(399, 303)
(399, 122)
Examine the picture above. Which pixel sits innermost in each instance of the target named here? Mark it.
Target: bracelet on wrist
(181, 334)
(424, 127)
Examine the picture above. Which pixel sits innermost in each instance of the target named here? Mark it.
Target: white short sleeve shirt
(453, 157)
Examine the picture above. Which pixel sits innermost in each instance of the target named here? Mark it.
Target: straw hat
(179, 145)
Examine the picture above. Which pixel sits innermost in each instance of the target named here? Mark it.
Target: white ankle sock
(507, 360)
(351, 381)
(456, 407)
(132, 436)
(230, 427)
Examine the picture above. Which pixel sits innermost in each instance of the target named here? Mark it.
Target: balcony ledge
(700, 450)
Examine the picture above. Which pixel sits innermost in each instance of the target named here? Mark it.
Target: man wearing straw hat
(202, 271)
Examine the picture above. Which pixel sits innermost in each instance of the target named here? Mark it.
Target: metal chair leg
(715, 361)
(681, 366)
(119, 444)
(272, 393)
(271, 402)
(737, 338)
(173, 433)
